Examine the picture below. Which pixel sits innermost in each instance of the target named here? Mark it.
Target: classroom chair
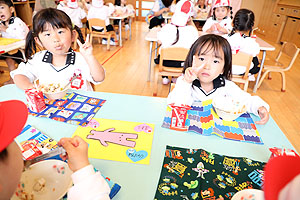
(170, 53)
(103, 34)
(242, 59)
(289, 50)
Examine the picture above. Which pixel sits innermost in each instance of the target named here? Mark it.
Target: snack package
(35, 99)
(282, 152)
(179, 115)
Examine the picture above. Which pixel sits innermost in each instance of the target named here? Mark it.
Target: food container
(227, 108)
(53, 91)
(35, 99)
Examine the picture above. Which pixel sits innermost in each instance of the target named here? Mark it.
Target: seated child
(206, 75)
(101, 11)
(154, 17)
(121, 9)
(52, 29)
(178, 33)
(240, 40)
(201, 9)
(219, 22)
(74, 12)
(88, 184)
(11, 27)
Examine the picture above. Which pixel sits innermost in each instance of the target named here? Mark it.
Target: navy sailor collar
(217, 83)
(48, 57)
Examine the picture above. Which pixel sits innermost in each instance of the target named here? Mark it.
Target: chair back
(97, 22)
(291, 50)
(174, 54)
(242, 59)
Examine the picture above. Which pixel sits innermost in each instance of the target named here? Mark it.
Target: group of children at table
(206, 75)
(14, 27)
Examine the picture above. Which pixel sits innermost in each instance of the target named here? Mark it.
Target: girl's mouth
(205, 74)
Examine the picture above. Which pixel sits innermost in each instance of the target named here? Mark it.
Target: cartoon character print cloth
(73, 109)
(198, 174)
(202, 119)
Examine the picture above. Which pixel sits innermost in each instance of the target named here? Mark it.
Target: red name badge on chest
(76, 81)
(178, 118)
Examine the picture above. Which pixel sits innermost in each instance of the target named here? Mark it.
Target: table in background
(13, 46)
(140, 181)
(120, 25)
(264, 47)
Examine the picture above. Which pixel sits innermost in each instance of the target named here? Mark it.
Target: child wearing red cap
(88, 184)
(282, 178)
(219, 23)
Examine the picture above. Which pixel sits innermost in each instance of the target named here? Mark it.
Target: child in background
(201, 9)
(178, 33)
(88, 184)
(11, 27)
(61, 4)
(206, 75)
(74, 12)
(100, 11)
(219, 23)
(154, 17)
(240, 40)
(52, 30)
(121, 4)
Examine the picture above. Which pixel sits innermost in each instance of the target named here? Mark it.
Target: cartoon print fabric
(202, 119)
(198, 174)
(73, 109)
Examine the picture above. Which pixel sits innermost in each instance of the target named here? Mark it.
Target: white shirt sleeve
(18, 29)
(181, 94)
(26, 69)
(209, 22)
(88, 185)
(155, 6)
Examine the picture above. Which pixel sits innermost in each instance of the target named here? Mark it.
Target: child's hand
(264, 116)
(85, 49)
(166, 9)
(189, 75)
(77, 152)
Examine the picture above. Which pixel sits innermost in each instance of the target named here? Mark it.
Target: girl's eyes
(201, 59)
(216, 61)
(60, 31)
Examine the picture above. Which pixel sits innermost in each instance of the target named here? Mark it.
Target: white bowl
(56, 95)
(253, 194)
(45, 180)
(226, 115)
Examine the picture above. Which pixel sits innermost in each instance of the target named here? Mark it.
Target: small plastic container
(56, 95)
(226, 115)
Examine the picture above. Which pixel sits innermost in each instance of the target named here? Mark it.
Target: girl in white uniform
(52, 30)
(178, 33)
(207, 73)
(75, 12)
(219, 22)
(240, 39)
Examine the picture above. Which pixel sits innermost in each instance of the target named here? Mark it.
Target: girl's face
(221, 12)
(213, 64)
(56, 40)
(123, 2)
(5, 12)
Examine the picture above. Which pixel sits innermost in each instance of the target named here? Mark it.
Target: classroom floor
(126, 73)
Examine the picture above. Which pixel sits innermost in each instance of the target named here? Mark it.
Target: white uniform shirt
(244, 44)
(76, 14)
(225, 23)
(40, 68)
(187, 36)
(88, 185)
(16, 29)
(184, 93)
(101, 13)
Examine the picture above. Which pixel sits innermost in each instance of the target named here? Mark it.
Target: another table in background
(140, 181)
(120, 25)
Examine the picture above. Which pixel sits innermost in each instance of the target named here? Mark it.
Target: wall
(256, 6)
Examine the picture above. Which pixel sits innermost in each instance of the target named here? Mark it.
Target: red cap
(13, 116)
(279, 171)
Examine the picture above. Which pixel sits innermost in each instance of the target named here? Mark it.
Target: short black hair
(214, 42)
(9, 3)
(3, 155)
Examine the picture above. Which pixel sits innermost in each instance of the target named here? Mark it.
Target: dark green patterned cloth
(198, 174)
